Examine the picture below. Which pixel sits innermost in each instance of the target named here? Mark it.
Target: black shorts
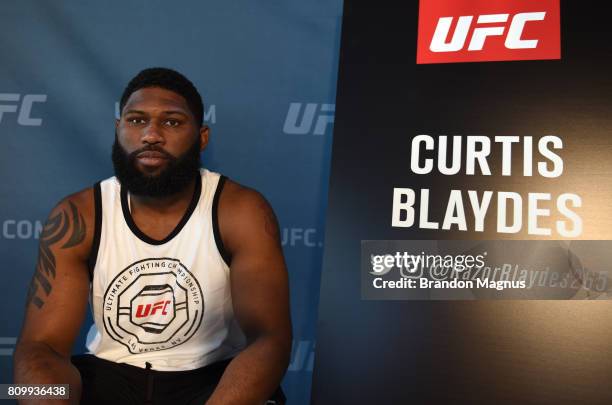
(105, 382)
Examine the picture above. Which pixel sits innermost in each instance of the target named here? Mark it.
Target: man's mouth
(151, 158)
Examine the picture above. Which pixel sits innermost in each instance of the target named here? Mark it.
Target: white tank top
(165, 302)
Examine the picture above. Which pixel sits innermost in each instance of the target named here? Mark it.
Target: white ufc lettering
(300, 122)
(513, 40)
(9, 103)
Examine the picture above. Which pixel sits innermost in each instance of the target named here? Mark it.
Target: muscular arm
(57, 299)
(260, 296)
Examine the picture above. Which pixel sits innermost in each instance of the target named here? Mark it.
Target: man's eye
(135, 121)
(172, 123)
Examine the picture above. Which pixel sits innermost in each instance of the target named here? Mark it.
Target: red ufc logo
(144, 310)
(453, 31)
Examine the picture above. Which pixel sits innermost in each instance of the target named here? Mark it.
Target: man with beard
(183, 269)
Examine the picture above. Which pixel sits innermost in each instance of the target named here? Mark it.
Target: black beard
(177, 175)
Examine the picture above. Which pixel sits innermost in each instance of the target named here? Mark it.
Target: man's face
(158, 143)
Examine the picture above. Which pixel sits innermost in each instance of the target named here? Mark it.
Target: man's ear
(116, 123)
(204, 132)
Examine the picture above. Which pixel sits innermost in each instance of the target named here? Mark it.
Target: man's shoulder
(243, 211)
(237, 197)
(83, 200)
(75, 215)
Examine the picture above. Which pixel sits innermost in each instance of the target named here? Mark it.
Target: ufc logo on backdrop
(13, 103)
(453, 31)
(309, 118)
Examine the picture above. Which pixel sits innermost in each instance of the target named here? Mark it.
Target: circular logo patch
(153, 304)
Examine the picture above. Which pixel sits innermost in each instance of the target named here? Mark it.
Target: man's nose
(152, 133)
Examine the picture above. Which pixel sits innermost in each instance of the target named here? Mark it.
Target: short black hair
(170, 80)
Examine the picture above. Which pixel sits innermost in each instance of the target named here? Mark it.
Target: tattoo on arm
(55, 230)
(271, 224)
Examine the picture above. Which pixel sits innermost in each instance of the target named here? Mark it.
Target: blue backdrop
(267, 72)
